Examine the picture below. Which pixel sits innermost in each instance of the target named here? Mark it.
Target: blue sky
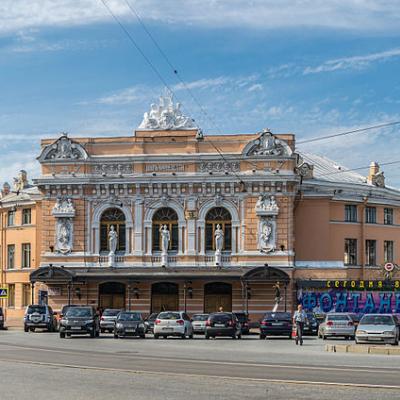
(309, 67)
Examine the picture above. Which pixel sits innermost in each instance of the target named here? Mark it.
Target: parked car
(311, 325)
(108, 318)
(244, 322)
(199, 322)
(1, 319)
(149, 322)
(80, 320)
(337, 324)
(173, 323)
(129, 323)
(276, 324)
(223, 324)
(63, 311)
(39, 316)
(378, 328)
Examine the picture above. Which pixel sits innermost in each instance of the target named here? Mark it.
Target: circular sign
(389, 267)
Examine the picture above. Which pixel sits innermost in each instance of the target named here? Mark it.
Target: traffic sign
(389, 267)
(3, 293)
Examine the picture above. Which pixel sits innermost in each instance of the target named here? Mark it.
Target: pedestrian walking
(299, 318)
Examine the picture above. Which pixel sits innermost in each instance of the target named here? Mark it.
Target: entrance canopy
(52, 274)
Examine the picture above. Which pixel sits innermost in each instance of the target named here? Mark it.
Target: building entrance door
(164, 297)
(112, 295)
(216, 295)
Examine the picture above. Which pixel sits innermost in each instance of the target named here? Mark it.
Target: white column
(96, 240)
(235, 225)
(138, 226)
(180, 238)
(149, 249)
(202, 239)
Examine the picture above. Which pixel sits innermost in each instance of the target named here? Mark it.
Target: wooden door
(164, 302)
(112, 301)
(212, 302)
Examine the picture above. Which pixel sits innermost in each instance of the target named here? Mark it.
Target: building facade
(171, 219)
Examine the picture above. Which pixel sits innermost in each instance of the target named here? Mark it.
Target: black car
(129, 323)
(276, 324)
(149, 322)
(80, 320)
(311, 325)
(244, 321)
(223, 324)
(1, 319)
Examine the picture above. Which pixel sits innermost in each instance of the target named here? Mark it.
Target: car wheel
(62, 335)
(207, 337)
(143, 336)
(156, 336)
(262, 336)
(116, 336)
(234, 336)
(32, 329)
(26, 329)
(396, 342)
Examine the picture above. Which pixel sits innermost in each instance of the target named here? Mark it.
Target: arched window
(115, 217)
(165, 216)
(221, 216)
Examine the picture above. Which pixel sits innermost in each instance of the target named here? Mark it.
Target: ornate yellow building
(169, 218)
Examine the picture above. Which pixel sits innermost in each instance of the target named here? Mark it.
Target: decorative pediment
(51, 273)
(267, 144)
(63, 149)
(266, 273)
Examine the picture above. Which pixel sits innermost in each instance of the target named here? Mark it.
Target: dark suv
(223, 324)
(39, 316)
(1, 319)
(80, 321)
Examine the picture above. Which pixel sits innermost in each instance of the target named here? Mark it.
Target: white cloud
(203, 83)
(355, 62)
(124, 96)
(255, 88)
(355, 15)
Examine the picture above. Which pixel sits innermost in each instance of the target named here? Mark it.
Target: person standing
(299, 318)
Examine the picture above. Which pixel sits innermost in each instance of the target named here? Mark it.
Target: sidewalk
(363, 349)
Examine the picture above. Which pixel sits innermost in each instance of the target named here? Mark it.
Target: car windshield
(377, 320)
(278, 315)
(338, 317)
(111, 313)
(220, 317)
(169, 315)
(200, 317)
(79, 312)
(36, 309)
(129, 317)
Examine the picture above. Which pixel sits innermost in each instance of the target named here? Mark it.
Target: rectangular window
(26, 255)
(370, 215)
(26, 216)
(388, 247)
(388, 216)
(11, 256)
(350, 251)
(350, 213)
(11, 218)
(26, 294)
(370, 252)
(11, 296)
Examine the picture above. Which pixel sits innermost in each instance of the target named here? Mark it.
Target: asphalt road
(198, 368)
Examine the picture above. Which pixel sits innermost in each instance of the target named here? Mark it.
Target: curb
(362, 349)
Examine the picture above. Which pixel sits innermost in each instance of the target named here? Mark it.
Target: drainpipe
(365, 201)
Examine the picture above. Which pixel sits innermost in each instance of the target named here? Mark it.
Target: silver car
(108, 318)
(378, 328)
(337, 324)
(199, 322)
(173, 323)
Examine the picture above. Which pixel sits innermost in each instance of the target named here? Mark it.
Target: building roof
(28, 194)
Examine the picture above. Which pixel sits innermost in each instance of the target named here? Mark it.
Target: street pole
(184, 296)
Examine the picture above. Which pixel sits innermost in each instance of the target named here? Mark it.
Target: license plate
(76, 328)
(220, 325)
(277, 323)
(167, 329)
(129, 330)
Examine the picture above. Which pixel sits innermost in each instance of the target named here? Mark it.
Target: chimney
(375, 177)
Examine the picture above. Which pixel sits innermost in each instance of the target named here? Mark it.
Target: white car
(173, 323)
(378, 328)
(199, 322)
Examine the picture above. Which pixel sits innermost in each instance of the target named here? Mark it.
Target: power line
(348, 132)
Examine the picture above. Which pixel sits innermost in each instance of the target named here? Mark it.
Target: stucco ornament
(166, 116)
(267, 205)
(64, 212)
(63, 149)
(267, 144)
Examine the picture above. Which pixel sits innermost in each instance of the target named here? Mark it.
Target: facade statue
(64, 235)
(63, 206)
(219, 239)
(166, 116)
(267, 204)
(112, 239)
(165, 238)
(21, 182)
(266, 237)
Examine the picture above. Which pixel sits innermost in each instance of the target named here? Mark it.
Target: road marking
(222, 363)
(262, 380)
